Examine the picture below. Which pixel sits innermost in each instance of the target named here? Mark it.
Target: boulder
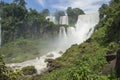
(114, 60)
(117, 66)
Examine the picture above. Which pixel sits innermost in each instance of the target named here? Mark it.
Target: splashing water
(78, 34)
(67, 37)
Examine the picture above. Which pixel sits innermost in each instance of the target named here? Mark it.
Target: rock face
(117, 67)
(114, 60)
(109, 67)
(53, 64)
(110, 57)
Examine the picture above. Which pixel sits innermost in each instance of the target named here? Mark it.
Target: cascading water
(62, 33)
(67, 37)
(64, 20)
(85, 26)
(82, 30)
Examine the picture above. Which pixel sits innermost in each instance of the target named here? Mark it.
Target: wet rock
(53, 64)
(60, 52)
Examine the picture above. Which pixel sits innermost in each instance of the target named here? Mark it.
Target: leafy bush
(29, 70)
(17, 51)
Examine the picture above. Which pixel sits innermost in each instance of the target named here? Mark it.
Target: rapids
(67, 36)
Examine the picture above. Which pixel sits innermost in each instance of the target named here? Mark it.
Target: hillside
(85, 61)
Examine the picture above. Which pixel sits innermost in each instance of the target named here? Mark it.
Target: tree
(110, 19)
(78, 11)
(11, 20)
(3, 70)
(113, 21)
(58, 14)
(103, 10)
(19, 22)
(20, 2)
(46, 12)
(29, 70)
(69, 11)
(73, 14)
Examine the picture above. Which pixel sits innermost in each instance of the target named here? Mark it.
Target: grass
(24, 49)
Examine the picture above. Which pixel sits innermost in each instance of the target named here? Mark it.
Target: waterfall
(81, 32)
(67, 36)
(62, 33)
(64, 20)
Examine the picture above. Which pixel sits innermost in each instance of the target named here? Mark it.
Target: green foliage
(3, 69)
(80, 65)
(103, 10)
(60, 74)
(99, 36)
(73, 14)
(22, 29)
(86, 61)
(15, 75)
(20, 2)
(46, 12)
(29, 70)
(110, 18)
(58, 14)
(83, 62)
(80, 62)
(19, 22)
(113, 47)
(19, 50)
(7, 73)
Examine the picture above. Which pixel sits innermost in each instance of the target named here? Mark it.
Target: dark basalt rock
(88, 40)
(117, 67)
(111, 57)
(53, 64)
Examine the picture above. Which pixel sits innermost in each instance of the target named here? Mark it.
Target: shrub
(29, 70)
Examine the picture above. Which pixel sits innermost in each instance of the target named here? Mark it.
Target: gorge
(59, 40)
(67, 36)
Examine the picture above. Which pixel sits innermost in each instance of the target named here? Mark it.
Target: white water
(78, 34)
(39, 62)
(72, 35)
(64, 20)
